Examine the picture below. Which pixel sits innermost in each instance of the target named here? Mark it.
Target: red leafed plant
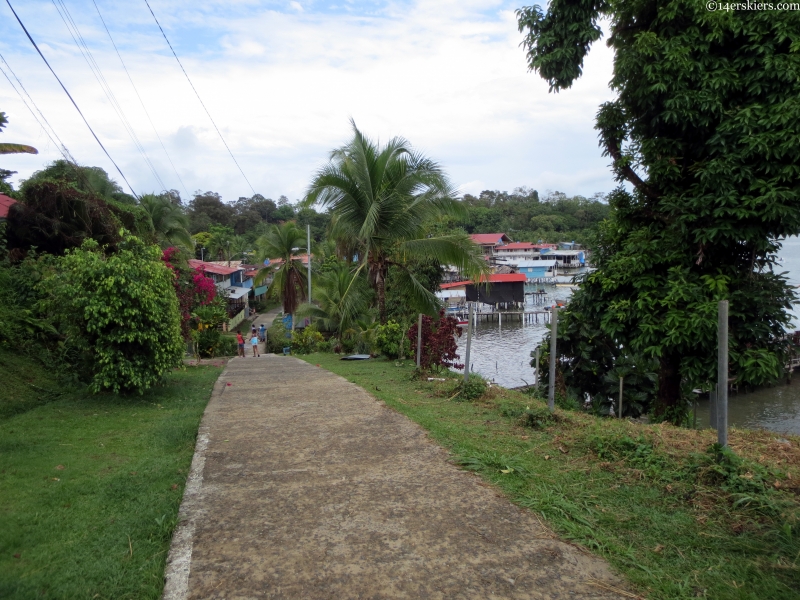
(192, 287)
(439, 346)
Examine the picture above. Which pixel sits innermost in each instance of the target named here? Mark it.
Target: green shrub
(537, 417)
(472, 389)
(278, 337)
(389, 339)
(121, 310)
(306, 340)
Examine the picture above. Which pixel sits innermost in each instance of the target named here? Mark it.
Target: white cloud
(449, 75)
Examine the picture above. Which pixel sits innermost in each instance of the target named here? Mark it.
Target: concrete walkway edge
(179, 559)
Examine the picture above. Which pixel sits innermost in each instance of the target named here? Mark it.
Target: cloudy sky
(282, 79)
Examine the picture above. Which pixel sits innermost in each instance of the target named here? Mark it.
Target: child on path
(240, 341)
(254, 343)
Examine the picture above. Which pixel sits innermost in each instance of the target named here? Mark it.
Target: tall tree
(170, 224)
(704, 131)
(284, 242)
(383, 198)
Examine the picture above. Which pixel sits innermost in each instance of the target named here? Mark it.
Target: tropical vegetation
(700, 133)
(382, 199)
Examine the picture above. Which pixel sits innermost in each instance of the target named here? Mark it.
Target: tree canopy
(382, 199)
(703, 131)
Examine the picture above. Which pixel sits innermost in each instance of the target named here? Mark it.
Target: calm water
(502, 354)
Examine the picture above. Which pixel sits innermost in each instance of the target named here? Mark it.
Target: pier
(526, 317)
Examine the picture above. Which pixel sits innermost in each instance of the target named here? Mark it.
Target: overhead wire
(169, 158)
(198, 96)
(75, 104)
(83, 47)
(40, 119)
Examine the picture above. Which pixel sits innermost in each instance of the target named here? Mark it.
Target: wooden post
(551, 394)
(469, 343)
(419, 339)
(722, 374)
(621, 379)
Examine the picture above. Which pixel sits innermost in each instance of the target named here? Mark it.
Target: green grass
(90, 486)
(649, 499)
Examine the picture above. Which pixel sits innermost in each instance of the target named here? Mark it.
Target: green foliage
(121, 310)
(341, 297)
(278, 337)
(288, 282)
(170, 224)
(526, 217)
(6, 148)
(382, 200)
(472, 389)
(306, 340)
(700, 131)
(390, 339)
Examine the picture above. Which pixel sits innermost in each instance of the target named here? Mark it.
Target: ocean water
(501, 352)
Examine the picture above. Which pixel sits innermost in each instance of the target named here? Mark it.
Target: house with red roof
(497, 288)
(5, 205)
(231, 283)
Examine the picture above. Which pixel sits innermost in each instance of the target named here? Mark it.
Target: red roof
(518, 246)
(493, 278)
(209, 267)
(489, 238)
(5, 205)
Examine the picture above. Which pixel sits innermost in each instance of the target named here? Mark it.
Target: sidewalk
(304, 486)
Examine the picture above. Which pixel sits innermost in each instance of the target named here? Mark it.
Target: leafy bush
(537, 417)
(305, 341)
(278, 337)
(121, 310)
(389, 339)
(438, 342)
(472, 389)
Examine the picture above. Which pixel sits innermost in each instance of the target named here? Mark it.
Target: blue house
(537, 269)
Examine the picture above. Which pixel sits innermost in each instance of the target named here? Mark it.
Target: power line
(83, 47)
(169, 158)
(43, 122)
(198, 97)
(75, 104)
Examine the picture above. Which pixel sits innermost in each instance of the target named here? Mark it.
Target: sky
(282, 80)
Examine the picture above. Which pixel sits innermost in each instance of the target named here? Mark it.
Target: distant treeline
(524, 216)
(521, 214)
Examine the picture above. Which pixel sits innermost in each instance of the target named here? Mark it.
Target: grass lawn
(649, 499)
(90, 485)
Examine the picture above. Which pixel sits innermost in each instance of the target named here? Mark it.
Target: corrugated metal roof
(489, 238)
(210, 267)
(493, 278)
(517, 246)
(535, 263)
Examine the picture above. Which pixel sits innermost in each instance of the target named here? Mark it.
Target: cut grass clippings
(90, 488)
(651, 499)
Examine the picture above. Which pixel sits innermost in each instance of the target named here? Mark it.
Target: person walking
(240, 341)
(254, 343)
(262, 333)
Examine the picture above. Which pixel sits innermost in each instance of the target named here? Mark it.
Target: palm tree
(13, 148)
(383, 198)
(288, 282)
(341, 297)
(170, 224)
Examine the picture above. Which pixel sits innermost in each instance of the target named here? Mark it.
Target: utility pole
(419, 339)
(551, 394)
(469, 342)
(722, 373)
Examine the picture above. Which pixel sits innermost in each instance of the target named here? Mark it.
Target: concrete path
(304, 486)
